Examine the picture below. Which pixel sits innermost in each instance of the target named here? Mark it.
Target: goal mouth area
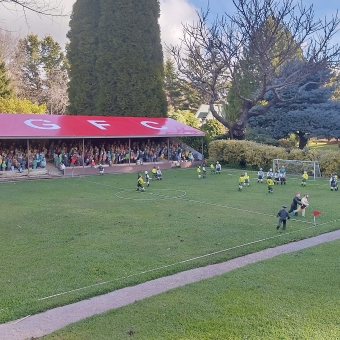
(295, 167)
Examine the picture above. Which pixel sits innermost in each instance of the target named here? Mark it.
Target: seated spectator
(43, 163)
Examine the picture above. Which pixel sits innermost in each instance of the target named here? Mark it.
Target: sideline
(45, 323)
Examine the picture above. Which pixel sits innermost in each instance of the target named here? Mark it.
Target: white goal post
(297, 167)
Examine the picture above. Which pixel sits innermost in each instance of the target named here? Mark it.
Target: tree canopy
(311, 114)
(116, 58)
(255, 43)
(5, 82)
(42, 76)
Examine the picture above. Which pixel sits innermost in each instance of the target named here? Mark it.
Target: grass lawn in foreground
(66, 240)
(292, 296)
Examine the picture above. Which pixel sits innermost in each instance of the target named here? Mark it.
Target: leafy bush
(286, 143)
(329, 162)
(14, 105)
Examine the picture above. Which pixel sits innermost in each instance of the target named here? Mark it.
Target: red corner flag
(316, 213)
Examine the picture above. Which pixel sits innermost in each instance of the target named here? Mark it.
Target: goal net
(296, 167)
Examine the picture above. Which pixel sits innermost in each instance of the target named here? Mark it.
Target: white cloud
(174, 13)
(12, 18)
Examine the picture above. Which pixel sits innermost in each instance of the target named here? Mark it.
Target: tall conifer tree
(81, 53)
(5, 82)
(128, 71)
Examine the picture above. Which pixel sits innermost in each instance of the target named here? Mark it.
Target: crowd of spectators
(68, 153)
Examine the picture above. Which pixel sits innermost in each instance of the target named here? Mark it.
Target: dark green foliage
(43, 77)
(81, 53)
(5, 82)
(310, 114)
(260, 135)
(180, 94)
(116, 59)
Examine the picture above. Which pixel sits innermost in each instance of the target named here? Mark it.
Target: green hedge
(251, 155)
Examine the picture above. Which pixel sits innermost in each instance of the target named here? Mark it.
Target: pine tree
(121, 71)
(82, 54)
(5, 81)
(311, 114)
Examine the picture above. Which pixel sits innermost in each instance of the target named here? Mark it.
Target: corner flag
(316, 213)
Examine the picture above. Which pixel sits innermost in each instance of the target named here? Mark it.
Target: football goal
(296, 167)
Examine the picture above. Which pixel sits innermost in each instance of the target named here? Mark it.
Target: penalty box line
(178, 263)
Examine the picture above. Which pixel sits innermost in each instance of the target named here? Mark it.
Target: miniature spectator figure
(73, 160)
(56, 160)
(9, 164)
(283, 215)
(147, 178)
(270, 184)
(140, 183)
(296, 205)
(260, 176)
(43, 163)
(20, 170)
(218, 168)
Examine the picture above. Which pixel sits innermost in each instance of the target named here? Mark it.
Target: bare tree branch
(257, 41)
(50, 8)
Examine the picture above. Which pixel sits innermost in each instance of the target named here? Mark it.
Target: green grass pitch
(65, 240)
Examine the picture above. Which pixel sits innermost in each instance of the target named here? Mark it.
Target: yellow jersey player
(140, 183)
(270, 184)
(198, 172)
(212, 168)
(241, 181)
(246, 179)
(304, 178)
(154, 173)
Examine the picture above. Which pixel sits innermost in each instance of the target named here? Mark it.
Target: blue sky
(173, 13)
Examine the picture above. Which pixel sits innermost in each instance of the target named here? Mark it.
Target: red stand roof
(35, 126)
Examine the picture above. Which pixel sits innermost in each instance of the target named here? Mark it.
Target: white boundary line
(180, 262)
(151, 193)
